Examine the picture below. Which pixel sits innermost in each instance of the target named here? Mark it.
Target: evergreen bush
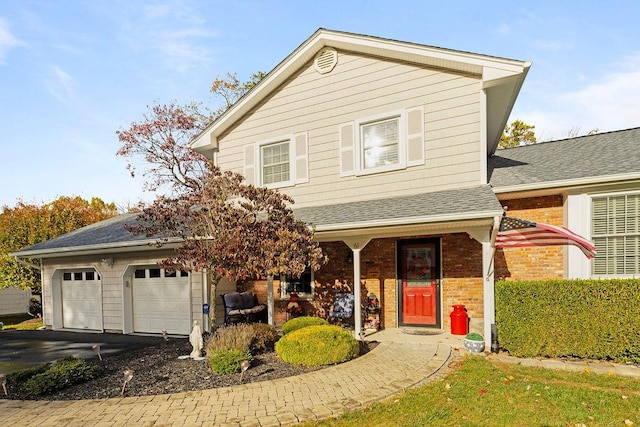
(228, 361)
(301, 322)
(318, 345)
(63, 373)
(590, 319)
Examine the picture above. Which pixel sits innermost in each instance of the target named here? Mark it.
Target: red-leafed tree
(232, 230)
(222, 224)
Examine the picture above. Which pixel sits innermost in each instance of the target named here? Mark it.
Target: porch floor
(415, 335)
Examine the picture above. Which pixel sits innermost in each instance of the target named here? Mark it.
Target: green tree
(517, 133)
(27, 224)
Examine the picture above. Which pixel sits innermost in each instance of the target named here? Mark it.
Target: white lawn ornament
(195, 338)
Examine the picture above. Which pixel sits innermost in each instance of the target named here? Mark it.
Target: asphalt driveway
(20, 349)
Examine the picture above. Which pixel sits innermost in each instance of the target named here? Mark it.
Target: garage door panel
(81, 304)
(162, 304)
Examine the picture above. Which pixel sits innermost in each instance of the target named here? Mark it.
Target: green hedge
(590, 319)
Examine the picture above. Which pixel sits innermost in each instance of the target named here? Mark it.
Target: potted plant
(474, 342)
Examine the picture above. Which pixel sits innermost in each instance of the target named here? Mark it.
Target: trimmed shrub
(301, 322)
(589, 319)
(228, 361)
(318, 345)
(63, 373)
(23, 375)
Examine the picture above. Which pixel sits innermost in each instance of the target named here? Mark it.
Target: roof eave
(568, 183)
(108, 248)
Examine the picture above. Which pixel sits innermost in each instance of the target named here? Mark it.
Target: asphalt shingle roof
(435, 204)
(109, 231)
(598, 155)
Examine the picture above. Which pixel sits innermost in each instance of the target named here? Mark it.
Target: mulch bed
(158, 370)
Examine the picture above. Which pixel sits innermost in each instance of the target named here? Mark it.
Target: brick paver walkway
(389, 369)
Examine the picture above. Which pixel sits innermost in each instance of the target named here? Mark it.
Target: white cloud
(61, 85)
(608, 104)
(7, 40)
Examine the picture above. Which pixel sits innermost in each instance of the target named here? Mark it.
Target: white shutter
(347, 150)
(302, 158)
(415, 137)
(250, 164)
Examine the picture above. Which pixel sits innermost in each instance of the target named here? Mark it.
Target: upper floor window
(275, 162)
(382, 143)
(616, 234)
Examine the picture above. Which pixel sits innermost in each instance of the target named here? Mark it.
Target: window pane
(139, 273)
(302, 286)
(154, 272)
(380, 144)
(90, 275)
(66, 276)
(616, 234)
(77, 276)
(275, 162)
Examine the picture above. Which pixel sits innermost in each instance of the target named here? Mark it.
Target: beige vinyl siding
(361, 87)
(112, 282)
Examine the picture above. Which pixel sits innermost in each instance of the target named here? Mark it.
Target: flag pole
(494, 233)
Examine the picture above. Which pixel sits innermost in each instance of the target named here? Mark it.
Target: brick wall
(461, 282)
(462, 277)
(536, 262)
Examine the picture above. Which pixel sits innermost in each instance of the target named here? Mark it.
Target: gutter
(409, 221)
(27, 263)
(137, 246)
(580, 182)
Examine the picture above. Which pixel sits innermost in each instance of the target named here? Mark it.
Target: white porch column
(356, 244)
(484, 236)
(271, 305)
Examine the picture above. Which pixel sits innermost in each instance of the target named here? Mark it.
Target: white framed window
(615, 231)
(277, 162)
(303, 285)
(382, 143)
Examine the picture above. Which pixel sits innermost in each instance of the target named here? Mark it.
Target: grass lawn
(480, 392)
(21, 322)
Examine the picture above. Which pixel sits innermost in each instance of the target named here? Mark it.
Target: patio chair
(342, 307)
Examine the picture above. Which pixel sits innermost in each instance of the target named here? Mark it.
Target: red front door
(419, 272)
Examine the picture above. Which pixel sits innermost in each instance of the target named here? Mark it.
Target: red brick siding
(537, 262)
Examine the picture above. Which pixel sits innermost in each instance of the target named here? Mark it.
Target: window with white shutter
(615, 230)
(382, 143)
(277, 162)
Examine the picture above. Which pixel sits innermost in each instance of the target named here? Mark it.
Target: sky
(73, 72)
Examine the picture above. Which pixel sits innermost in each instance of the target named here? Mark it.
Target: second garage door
(161, 301)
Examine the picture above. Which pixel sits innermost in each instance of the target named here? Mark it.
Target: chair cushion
(232, 301)
(248, 300)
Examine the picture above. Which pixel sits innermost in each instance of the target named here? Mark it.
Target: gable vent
(325, 60)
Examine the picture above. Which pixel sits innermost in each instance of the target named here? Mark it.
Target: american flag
(518, 233)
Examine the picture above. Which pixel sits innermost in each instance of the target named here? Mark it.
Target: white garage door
(81, 300)
(161, 301)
